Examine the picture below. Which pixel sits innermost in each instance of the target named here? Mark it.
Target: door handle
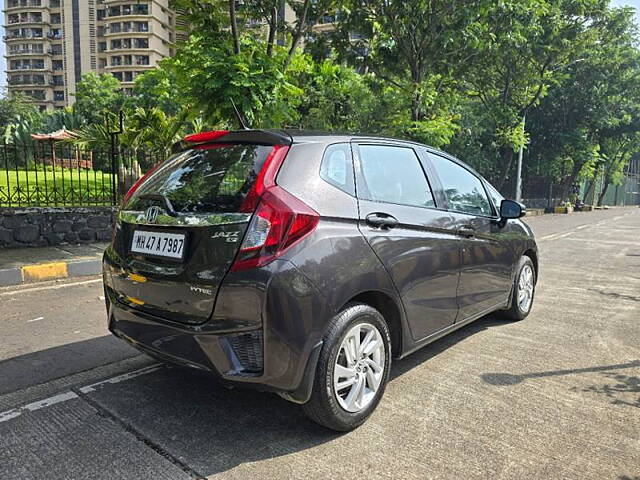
(382, 220)
(466, 231)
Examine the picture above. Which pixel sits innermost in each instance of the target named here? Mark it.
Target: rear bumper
(281, 352)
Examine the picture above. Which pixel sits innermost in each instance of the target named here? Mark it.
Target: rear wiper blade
(161, 198)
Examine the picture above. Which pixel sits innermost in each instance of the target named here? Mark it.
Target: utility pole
(519, 174)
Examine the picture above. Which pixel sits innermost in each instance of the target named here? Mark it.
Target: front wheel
(353, 369)
(524, 287)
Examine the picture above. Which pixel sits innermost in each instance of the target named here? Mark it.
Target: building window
(140, 9)
(57, 65)
(58, 96)
(102, 46)
(58, 80)
(115, 28)
(101, 14)
(142, 59)
(117, 75)
(56, 49)
(55, 18)
(140, 43)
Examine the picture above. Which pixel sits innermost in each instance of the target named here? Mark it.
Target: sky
(3, 62)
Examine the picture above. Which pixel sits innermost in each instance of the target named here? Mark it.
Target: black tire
(323, 406)
(515, 312)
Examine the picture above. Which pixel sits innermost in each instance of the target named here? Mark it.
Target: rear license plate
(162, 244)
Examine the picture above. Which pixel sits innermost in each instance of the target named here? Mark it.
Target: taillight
(135, 186)
(266, 178)
(280, 221)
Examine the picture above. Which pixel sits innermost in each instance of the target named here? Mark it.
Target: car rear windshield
(206, 179)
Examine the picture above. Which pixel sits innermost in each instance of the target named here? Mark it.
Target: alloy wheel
(359, 367)
(525, 288)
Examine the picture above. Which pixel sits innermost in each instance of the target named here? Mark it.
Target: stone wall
(35, 227)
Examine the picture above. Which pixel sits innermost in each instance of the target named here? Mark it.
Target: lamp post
(519, 169)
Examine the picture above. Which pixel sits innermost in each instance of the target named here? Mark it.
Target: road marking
(35, 319)
(555, 236)
(32, 407)
(581, 227)
(121, 378)
(50, 287)
(63, 397)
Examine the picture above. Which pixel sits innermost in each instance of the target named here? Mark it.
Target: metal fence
(46, 174)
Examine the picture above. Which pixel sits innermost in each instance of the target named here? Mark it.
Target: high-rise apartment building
(50, 44)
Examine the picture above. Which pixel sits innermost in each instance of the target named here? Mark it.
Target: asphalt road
(554, 396)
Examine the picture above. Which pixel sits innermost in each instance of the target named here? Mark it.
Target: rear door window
(215, 178)
(394, 175)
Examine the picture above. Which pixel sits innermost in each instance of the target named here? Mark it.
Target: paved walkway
(25, 265)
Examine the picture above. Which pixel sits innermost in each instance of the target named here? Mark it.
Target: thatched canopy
(62, 134)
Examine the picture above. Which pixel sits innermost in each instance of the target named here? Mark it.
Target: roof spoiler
(259, 137)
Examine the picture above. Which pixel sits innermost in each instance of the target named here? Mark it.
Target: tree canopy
(478, 78)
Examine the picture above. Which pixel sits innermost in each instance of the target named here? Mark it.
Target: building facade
(50, 44)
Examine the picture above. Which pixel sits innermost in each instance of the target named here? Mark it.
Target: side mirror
(511, 209)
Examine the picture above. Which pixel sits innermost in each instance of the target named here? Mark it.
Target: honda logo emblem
(152, 214)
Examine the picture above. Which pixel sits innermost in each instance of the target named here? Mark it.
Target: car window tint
(212, 178)
(464, 191)
(337, 167)
(393, 175)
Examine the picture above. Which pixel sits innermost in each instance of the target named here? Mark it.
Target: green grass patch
(31, 188)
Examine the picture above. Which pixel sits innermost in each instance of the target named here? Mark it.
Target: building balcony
(27, 83)
(128, 66)
(127, 33)
(28, 69)
(9, 38)
(27, 52)
(24, 21)
(30, 4)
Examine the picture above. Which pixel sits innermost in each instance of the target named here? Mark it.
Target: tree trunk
(298, 34)
(587, 192)
(234, 26)
(273, 26)
(604, 191)
(506, 155)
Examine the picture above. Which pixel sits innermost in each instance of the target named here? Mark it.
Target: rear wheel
(353, 369)
(523, 290)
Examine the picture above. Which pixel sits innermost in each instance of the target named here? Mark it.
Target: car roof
(292, 136)
(312, 136)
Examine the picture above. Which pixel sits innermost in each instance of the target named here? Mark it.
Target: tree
(97, 95)
(14, 106)
(157, 88)
(523, 46)
(590, 115)
(415, 48)
(335, 98)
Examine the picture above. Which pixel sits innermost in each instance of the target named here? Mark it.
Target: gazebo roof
(62, 134)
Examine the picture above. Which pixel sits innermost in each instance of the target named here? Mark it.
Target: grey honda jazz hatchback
(302, 263)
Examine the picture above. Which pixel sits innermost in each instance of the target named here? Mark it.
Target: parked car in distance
(304, 263)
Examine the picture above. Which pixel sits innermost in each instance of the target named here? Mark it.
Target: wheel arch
(389, 309)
